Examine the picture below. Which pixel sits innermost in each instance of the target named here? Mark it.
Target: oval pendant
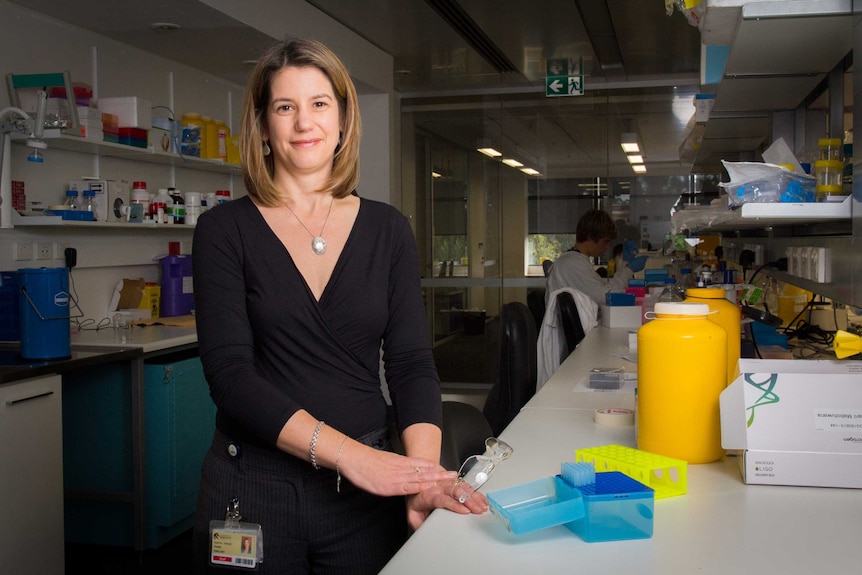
(318, 244)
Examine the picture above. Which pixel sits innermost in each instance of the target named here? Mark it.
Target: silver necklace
(318, 244)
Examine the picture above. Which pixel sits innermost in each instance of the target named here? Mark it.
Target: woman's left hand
(420, 505)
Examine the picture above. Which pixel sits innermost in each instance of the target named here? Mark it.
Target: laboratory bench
(123, 424)
(720, 526)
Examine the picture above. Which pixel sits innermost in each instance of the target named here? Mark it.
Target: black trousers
(308, 527)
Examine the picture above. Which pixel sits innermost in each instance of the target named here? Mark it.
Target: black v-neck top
(269, 348)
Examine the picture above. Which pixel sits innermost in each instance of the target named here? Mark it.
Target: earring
(266, 149)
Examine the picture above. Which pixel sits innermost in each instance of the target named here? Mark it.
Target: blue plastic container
(536, 505)
(44, 313)
(177, 294)
(616, 507)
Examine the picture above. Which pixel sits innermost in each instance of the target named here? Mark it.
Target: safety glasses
(477, 469)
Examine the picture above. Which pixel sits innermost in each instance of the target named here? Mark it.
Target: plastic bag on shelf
(757, 182)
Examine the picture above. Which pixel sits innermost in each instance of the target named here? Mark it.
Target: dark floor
(174, 556)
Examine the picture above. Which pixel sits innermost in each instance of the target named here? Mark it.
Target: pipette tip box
(613, 508)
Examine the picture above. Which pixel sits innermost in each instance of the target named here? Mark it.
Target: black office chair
(516, 382)
(536, 303)
(571, 320)
(465, 430)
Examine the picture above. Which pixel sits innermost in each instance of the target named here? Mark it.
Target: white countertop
(149, 338)
(720, 526)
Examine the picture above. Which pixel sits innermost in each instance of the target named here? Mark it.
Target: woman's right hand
(385, 473)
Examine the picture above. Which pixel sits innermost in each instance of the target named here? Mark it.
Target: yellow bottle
(682, 360)
(209, 139)
(726, 314)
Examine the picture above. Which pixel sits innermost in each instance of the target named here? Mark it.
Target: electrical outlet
(44, 251)
(60, 250)
(23, 251)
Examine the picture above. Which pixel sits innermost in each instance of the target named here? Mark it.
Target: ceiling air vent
(461, 22)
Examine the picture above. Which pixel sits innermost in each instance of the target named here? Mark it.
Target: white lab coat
(552, 338)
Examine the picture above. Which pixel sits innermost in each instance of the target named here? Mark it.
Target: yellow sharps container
(682, 361)
(726, 314)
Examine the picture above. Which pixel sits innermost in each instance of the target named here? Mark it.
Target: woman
(296, 286)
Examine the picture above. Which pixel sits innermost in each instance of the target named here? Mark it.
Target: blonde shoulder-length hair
(258, 169)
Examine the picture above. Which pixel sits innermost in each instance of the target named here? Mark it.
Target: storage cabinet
(179, 418)
(31, 477)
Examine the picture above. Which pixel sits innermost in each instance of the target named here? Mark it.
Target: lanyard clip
(233, 518)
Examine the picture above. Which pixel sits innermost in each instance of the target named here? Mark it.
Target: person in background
(593, 236)
(296, 287)
(616, 260)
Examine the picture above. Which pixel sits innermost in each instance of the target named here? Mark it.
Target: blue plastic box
(620, 299)
(536, 505)
(616, 507)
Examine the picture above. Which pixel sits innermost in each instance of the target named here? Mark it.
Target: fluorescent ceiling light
(635, 158)
(639, 168)
(513, 163)
(629, 143)
(490, 152)
(531, 172)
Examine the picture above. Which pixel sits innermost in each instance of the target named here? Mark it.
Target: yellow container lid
(829, 165)
(824, 142)
(830, 189)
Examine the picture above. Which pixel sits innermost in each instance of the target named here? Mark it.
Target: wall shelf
(38, 221)
(59, 141)
(760, 215)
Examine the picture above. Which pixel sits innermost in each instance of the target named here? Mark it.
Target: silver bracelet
(313, 444)
(337, 470)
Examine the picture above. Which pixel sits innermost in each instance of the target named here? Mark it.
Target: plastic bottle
(177, 209)
(682, 361)
(71, 200)
(222, 138)
(209, 138)
(140, 195)
(193, 207)
(88, 204)
(669, 293)
(222, 196)
(159, 207)
(193, 126)
(728, 316)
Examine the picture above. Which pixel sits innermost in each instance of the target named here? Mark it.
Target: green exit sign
(564, 77)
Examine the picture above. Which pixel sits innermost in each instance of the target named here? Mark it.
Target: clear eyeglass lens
(477, 469)
(496, 449)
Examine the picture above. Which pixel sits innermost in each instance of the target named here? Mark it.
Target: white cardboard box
(797, 422)
(131, 111)
(628, 316)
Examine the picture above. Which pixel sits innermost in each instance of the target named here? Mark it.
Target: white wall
(35, 43)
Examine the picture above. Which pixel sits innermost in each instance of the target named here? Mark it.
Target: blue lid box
(616, 507)
(613, 507)
(626, 299)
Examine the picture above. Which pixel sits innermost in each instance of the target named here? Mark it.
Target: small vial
(71, 200)
(88, 203)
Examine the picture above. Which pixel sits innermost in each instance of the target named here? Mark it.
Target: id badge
(236, 544)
